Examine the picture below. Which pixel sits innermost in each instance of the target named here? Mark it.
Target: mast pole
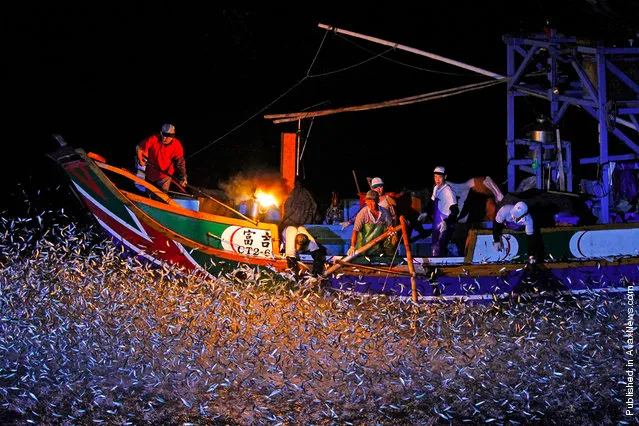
(412, 50)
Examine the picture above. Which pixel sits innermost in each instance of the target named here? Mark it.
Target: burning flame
(245, 186)
(265, 199)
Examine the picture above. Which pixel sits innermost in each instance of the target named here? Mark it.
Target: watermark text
(629, 393)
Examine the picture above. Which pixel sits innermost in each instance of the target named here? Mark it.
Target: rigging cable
(248, 119)
(265, 107)
(405, 64)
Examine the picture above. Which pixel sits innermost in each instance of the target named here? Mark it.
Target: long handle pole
(561, 177)
(203, 194)
(409, 257)
(360, 251)
(148, 163)
(412, 50)
(356, 183)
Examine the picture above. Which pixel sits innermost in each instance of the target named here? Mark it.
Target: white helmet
(377, 182)
(519, 210)
(439, 170)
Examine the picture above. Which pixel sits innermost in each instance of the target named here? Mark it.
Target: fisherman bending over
(297, 240)
(517, 218)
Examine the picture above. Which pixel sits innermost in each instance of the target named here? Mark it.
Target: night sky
(105, 76)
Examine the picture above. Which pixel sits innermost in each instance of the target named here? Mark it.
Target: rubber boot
(293, 266)
(319, 258)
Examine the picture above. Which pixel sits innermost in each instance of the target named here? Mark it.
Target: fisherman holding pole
(165, 154)
(371, 222)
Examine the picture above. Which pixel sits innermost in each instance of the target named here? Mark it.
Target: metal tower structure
(601, 79)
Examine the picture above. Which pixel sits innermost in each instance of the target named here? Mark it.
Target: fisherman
(161, 155)
(299, 208)
(335, 212)
(517, 218)
(385, 200)
(298, 240)
(371, 222)
(445, 212)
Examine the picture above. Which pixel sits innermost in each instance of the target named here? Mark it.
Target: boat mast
(413, 50)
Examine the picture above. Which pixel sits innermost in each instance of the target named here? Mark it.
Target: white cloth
(461, 190)
(445, 197)
(289, 234)
(504, 215)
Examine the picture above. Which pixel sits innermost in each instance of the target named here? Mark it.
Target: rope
(308, 133)
(248, 119)
(308, 72)
(352, 66)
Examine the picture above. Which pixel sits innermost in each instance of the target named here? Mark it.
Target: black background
(106, 75)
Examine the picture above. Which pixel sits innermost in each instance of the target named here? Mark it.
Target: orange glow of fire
(265, 199)
(245, 185)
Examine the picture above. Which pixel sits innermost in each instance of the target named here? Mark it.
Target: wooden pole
(412, 50)
(409, 257)
(288, 159)
(356, 183)
(561, 177)
(294, 116)
(360, 251)
(297, 147)
(372, 268)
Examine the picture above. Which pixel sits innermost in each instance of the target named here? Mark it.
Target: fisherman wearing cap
(386, 201)
(445, 212)
(298, 240)
(371, 222)
(517, 218)
(161, 155)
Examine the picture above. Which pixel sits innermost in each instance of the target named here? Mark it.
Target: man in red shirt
(165, 156)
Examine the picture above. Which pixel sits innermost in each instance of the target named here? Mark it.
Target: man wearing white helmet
(517, 218)
(445, 212)
(161, 155)
(377, 184)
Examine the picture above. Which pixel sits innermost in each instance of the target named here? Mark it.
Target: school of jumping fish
(89, 336)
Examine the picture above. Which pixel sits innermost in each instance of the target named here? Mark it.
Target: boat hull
(579, 259)
(468, 283)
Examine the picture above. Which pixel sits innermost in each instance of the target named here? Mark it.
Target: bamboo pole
(203, 194)
(356, 183)
(295, 116)
(409, 257)
(412, 50)
(360, 251)
(372, 268)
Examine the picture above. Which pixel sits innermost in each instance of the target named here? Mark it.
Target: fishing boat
(164, 231)
(169, 231)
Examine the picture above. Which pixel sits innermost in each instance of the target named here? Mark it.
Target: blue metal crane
(600, 78)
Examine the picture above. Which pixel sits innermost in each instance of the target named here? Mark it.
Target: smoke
(243, 186)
